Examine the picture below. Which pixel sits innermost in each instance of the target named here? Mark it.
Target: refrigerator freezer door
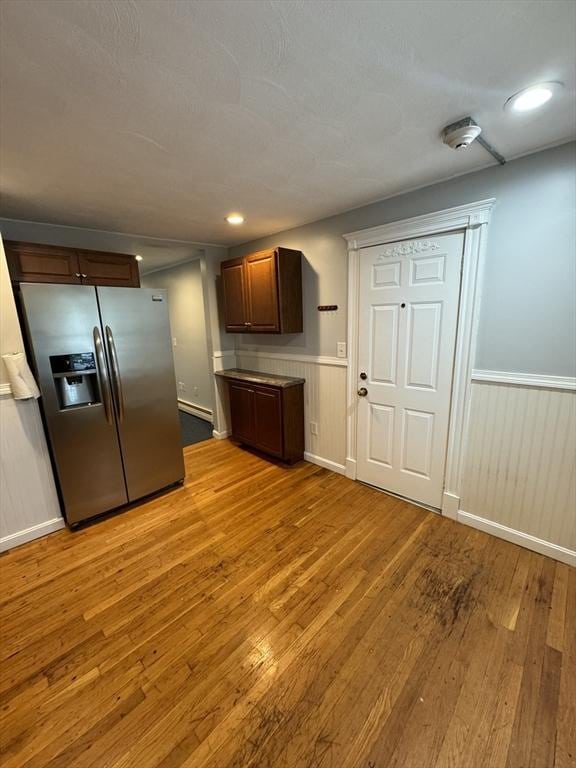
(66, 343)
(139, 351)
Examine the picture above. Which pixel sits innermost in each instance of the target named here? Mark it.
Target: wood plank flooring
(272, 617)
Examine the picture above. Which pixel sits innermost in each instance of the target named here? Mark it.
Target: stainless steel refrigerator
(103, 358)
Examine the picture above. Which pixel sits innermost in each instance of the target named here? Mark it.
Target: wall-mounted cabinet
(32, 263)
(263, 292)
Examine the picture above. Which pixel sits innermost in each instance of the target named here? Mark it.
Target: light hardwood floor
(271, 617)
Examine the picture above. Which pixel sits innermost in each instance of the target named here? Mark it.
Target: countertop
(257, 377)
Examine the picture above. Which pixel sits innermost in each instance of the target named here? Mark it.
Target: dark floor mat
(194, 430)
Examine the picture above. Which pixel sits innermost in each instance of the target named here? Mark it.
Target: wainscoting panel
(324, 402)
(29, 504)
(519, 468)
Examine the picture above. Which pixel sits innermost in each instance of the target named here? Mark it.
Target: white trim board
(221, 435)
(340, 362)
(333, 466)
(195, 410)
(28, 534)
(5, 390)
(518, 537)
(525, 379)
(473, 220)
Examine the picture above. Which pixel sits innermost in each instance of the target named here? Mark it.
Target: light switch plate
(341, 349)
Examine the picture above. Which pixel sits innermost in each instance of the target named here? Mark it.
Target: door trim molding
(473, 220)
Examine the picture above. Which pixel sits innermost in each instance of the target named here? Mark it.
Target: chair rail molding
(473, 220)
(542, 380)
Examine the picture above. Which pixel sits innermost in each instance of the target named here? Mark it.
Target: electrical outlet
(313, 428)
(181, 386)
(341, 349)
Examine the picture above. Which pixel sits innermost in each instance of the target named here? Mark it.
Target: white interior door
(409, 293)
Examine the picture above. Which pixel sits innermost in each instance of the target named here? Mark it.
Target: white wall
(28, 502)
(189, 332)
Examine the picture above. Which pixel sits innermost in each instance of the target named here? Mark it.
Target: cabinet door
(262, 292)
(268, 412)
(115, 269)
(242, 412)
(30, 263)
(234, 294)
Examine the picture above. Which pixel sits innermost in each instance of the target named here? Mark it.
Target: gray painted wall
(187, 321)
(528, 312)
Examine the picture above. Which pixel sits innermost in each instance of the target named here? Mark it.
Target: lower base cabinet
(267, 417)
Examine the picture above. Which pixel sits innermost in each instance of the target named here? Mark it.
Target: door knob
(363, 376)
(362, 392)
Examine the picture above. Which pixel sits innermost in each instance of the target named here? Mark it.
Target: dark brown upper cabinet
(32, 263)
(263, 292)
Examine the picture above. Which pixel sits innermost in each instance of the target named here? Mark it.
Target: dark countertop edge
(258, 377)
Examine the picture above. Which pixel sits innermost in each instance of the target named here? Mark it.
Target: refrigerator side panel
(64, 336)
(139, 349)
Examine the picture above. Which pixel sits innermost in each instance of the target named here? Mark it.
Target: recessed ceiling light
(235, 218)
(138, 257)
(533, 97)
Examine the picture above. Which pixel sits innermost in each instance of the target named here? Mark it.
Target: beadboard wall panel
(324, 403)
(28, 495)
(519, 466)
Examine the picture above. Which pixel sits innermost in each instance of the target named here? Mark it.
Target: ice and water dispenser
(75, 379)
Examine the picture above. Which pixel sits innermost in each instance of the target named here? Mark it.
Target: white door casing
(407, 331)
(471, 219)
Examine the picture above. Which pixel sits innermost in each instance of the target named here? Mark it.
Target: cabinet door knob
(362, 392)
(84, 275)
(247, 323)
(77, 274)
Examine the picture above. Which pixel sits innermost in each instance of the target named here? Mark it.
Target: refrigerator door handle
(103, 373)
(116, 380)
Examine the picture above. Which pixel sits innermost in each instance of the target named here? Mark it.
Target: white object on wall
(21, 380)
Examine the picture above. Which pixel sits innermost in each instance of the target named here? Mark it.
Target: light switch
(341, 349)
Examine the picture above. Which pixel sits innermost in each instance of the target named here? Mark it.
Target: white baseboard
(28, 534)
(351, 469)
(220, 435)
(518, 537)
(195, 410)
(450, 505)
(326, 463)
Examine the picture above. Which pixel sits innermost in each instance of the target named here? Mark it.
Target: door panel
(115, 269)
(381, 434)
(262, 292)
(234, 294)
(268, 411)
(383, 352)
(144, 386)
(242, 412)
(61, 320)
(424, 327)
(42, 263)
(409, 294)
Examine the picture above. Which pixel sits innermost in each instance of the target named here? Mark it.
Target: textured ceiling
(159, 117)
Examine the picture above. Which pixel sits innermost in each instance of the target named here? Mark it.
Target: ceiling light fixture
(235, 219)
(138, 257)
(533, 97)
